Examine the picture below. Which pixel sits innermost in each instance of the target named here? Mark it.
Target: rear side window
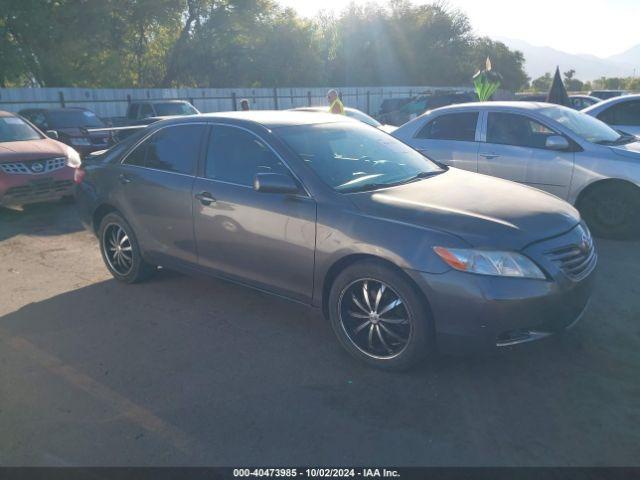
(235, 156)
(133, 110)
(171, 149)
(454, 126)
(146, 111)
(627, 113)
(516, 130)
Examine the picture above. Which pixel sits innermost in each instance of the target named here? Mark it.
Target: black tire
(127, 271)
(390, 354)
(612, 210)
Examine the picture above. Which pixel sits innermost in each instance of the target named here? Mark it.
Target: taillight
(78, 175)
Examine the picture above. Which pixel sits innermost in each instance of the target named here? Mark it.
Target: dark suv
(71, 126)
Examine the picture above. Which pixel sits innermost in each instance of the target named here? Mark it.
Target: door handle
(124, 179)
(489, 156)
(205, 198)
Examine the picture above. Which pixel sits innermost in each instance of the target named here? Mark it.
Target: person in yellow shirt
(335, 105)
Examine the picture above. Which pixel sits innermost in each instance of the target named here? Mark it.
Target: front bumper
(476, 312)
(18, 190)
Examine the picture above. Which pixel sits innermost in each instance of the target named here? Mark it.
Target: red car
(33, 167)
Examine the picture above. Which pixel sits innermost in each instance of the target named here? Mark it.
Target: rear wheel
(120, 250)
(378, 316)
(612, 210)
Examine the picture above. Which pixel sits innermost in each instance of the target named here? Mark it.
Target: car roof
(611, 101)
(274, 118)
(58, 109)
(512, 105)
(4, 113)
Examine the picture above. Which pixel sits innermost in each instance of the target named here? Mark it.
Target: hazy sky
(598, 27)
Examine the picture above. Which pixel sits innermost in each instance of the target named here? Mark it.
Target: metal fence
(107, 102)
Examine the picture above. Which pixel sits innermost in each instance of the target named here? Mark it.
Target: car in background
(580, 102)
(402, 255)
(352, 113)
(606, 94)
(419, 104)
(71, 126)
(33, 167)
(531, 97)
(621, 113)
(567, 153)
(150, 111)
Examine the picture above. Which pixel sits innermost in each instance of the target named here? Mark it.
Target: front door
(515, 150)
(265, 239)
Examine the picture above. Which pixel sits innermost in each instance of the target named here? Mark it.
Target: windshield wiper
(374, 186)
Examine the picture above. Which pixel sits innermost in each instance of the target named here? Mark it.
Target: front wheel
(612, 210)
(120, 250)
(378, 316)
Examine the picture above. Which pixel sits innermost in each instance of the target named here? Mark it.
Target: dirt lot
(184, 370)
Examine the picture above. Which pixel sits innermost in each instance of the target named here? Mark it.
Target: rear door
(623, 116)
(514, 149)
(450, 138)
(265, 239)
(155, 183)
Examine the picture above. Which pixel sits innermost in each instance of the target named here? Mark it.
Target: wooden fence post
(234, 101)
(61, 98)
(275, 98)
(368, 102)
(309, 97)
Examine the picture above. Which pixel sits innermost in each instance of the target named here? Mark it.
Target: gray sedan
(567, 153)
(401, 254)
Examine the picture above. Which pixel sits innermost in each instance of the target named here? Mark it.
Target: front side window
(516, 130)
(74, 118)
(171, 149)
(350, 157)
(236, 156)
(146, 111)
(15, 129)
(454, 126)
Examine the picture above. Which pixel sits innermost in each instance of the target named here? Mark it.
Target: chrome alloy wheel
(374, 318)
(117, 249)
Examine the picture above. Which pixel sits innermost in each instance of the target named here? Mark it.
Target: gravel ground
(193, 371)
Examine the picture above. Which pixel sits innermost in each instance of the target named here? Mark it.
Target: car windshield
(585, 126)
(73, 118)
(363, 117)
(14, 129)
(174, 108)
(351, 157)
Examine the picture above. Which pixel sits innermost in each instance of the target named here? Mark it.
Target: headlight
(73, 158)
(485, 262)
(80, 141)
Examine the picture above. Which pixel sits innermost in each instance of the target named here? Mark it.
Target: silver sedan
(567, 153)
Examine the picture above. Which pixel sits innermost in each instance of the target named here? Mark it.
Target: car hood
(484, 211)
(31, 150)
(630, 150)
(388, 128)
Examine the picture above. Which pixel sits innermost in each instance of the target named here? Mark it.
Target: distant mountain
(539, 60)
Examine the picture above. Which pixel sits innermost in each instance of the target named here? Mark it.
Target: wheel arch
(101, 212)
(348, 260)
(603, 183)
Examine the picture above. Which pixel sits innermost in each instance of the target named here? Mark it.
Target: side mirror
(274, 183)
(52, 134)
(557, 142)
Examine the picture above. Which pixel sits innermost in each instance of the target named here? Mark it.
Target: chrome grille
(578, 259)
(35, 189)
(35, 167)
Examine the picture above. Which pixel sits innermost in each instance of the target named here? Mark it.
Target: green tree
(543, 83)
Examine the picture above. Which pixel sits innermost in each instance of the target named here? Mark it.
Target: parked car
(606, 94)
(71, 126)
(147, 112)
(401, 254)
(532, 97)
(554, 148)
(353, 113)
(389, 112)
(33, 167)
(421, 103)
(580, 102)
(621, 113)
